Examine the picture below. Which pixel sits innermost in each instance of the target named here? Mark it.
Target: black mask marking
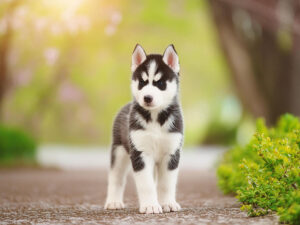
(142, 83)
(161, 84)
(167, 73)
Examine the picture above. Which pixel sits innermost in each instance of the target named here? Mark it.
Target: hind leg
(117, 178)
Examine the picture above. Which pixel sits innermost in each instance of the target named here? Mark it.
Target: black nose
(148, 98)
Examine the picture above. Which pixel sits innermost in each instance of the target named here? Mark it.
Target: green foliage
(16, 147)
(265, 174)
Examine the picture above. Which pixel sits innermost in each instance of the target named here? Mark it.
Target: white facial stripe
(144, 76)
(151, 70)
(157, 76)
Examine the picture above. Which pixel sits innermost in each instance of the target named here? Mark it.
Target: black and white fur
(148, 134)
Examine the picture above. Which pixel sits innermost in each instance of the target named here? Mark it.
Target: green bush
(16, 147)
(265, 174)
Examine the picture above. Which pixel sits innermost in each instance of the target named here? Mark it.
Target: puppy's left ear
(138, 57)
(170, 58)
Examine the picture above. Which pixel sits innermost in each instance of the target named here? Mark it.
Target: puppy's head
(154, 82)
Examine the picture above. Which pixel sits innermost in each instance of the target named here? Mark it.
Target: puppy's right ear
(138, 57)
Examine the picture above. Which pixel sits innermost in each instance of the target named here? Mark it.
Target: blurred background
(65, 68)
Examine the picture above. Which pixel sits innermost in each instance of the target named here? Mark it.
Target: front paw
(171, 207)
(114, 205)
(151, 209)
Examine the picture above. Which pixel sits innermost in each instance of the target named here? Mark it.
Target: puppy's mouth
(149, 106)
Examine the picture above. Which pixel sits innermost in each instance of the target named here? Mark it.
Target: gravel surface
(77, 197)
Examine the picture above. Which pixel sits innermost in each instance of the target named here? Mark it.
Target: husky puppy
(148, 134)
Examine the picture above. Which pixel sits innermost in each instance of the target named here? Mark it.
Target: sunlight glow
(71, 5)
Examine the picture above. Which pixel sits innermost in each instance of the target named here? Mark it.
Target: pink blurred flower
(19, 17)
(116, 17)
(51, 55)
(23, 78)
(110, 30)
(69, 93)
(56, 28)
(40, 24)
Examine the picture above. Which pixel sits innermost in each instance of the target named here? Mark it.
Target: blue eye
(161, 84)
(142, 83)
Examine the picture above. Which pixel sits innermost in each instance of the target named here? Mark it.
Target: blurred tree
(261, 41)
(5, 38)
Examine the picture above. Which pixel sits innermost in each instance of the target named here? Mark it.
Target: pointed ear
(138, 57)
(170, 58)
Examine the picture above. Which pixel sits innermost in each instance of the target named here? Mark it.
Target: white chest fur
(156, 140)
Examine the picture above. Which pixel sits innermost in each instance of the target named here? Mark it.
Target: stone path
(77, 197)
